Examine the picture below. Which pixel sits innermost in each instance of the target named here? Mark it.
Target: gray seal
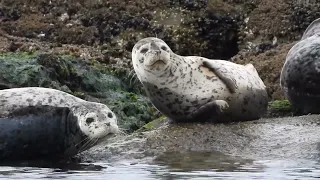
(193, 88)
(35, 114)
(300, 74)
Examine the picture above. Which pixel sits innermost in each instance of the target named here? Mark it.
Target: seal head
(152, 55)
(96, 120)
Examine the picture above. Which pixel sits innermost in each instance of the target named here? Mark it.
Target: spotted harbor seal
(300, 74)
(35, 114)
(193, 88)
(312, 29)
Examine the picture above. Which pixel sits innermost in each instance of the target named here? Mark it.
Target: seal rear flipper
(216, 107)
(251, 68)
(223, 74)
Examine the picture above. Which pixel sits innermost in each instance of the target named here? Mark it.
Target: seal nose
(154, 46)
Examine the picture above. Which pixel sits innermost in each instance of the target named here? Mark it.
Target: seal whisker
(85, 139)
(131, 73)
(86, 144)
(134, 78)
(93, 142)
(122, 132)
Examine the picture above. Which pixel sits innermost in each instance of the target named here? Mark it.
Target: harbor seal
(299, 78)
(92, 121)
(193, 88)
(312, 29)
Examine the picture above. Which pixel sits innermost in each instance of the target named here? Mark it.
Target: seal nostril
(144, 50)
(89, 120)
(110, 115)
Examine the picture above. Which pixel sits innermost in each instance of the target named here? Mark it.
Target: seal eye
(164, 48)
(110, 115)
(89, 120)
(144, 50)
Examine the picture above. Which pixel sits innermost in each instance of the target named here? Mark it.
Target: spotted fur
(95, 120)
(312, 29)
(187, 88)
(300, 73)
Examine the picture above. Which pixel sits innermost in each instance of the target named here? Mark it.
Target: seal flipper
(223, 74)
(218, 105)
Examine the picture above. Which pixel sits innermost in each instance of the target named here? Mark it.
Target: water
(281, 148)
(224, 169)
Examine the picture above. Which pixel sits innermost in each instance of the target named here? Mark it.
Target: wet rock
(264, 139)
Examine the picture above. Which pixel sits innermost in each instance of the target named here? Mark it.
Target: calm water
(219, 169)
(285, 148)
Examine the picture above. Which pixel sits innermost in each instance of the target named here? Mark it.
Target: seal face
(88, 121)
(193, 88)
(301, 71)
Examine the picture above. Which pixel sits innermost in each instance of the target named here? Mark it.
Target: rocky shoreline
(84, 47)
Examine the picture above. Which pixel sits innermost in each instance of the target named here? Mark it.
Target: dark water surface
(183, 166)
(271, 169)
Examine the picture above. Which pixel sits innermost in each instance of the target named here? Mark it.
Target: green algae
(84, 79)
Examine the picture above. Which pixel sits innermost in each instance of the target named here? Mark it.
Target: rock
(265, 139)
(87, 80)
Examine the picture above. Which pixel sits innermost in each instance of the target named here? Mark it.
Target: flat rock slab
(286, 138)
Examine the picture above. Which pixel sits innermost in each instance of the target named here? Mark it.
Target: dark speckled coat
(187, 85)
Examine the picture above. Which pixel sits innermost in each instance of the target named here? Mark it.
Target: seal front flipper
(215, 107)
(223, 74)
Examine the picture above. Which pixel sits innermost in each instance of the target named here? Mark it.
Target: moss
(279, 108)
(78, 94)
(153, 124)
(280, 105)
(18, 55)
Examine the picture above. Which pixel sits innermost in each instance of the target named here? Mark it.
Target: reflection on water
(191, 161)
(190, 165)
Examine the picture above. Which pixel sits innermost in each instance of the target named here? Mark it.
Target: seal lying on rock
(192, 88)
(300, 74)
(34, 115)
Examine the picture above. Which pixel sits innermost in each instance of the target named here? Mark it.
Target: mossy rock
(280, 108)
(84, 79)
(280, 105)
(153, 124)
